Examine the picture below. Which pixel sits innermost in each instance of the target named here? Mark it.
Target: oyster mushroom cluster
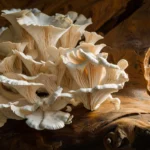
(50, 63)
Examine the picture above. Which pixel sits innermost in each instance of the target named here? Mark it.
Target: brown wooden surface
(96, 9)
(125, 24)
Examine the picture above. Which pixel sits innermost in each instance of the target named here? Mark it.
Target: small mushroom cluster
(50, 63)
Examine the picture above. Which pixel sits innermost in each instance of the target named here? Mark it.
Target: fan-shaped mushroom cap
(51, 118)
(48, 28)
(92, 98)
(73, 35)
(96, 77)
(11, 16)
(92, 37)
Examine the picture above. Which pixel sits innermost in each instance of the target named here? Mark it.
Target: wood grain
(128, 128)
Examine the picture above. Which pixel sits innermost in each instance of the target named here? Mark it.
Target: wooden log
(91, 130)
(130, 40)
(105, 128)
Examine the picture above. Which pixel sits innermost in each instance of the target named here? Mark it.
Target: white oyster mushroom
(34, 67)
(9, 62)
(51, 120)
(8, 93)
(50, 117)
(73, 35)
(39, 116)
(49, 64)
(48, 80)
(47, 28)
(6, 48)
(89, 47)
(11, 16)
(92, 37)
(15, 33)
(54, 65)
(96, 77)
(92, 98)
(26, 89)
(16, 109)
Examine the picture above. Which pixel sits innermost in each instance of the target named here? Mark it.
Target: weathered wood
(131, 40)
(104, 128)
(89, 129)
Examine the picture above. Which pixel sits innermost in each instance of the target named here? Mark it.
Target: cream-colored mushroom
(26, 89)
(16, 109)
(48, 28)
(92, 98)
(11, 16)
(73, 35)
(9, 62)
(15, 33)
(54, 65)
(48, 80)
(6, 48)
(92, 37)
(50, 117)
(49, 64)
(96, 77)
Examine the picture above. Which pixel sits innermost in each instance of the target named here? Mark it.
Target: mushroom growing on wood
(46, 67)
(96, 77)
